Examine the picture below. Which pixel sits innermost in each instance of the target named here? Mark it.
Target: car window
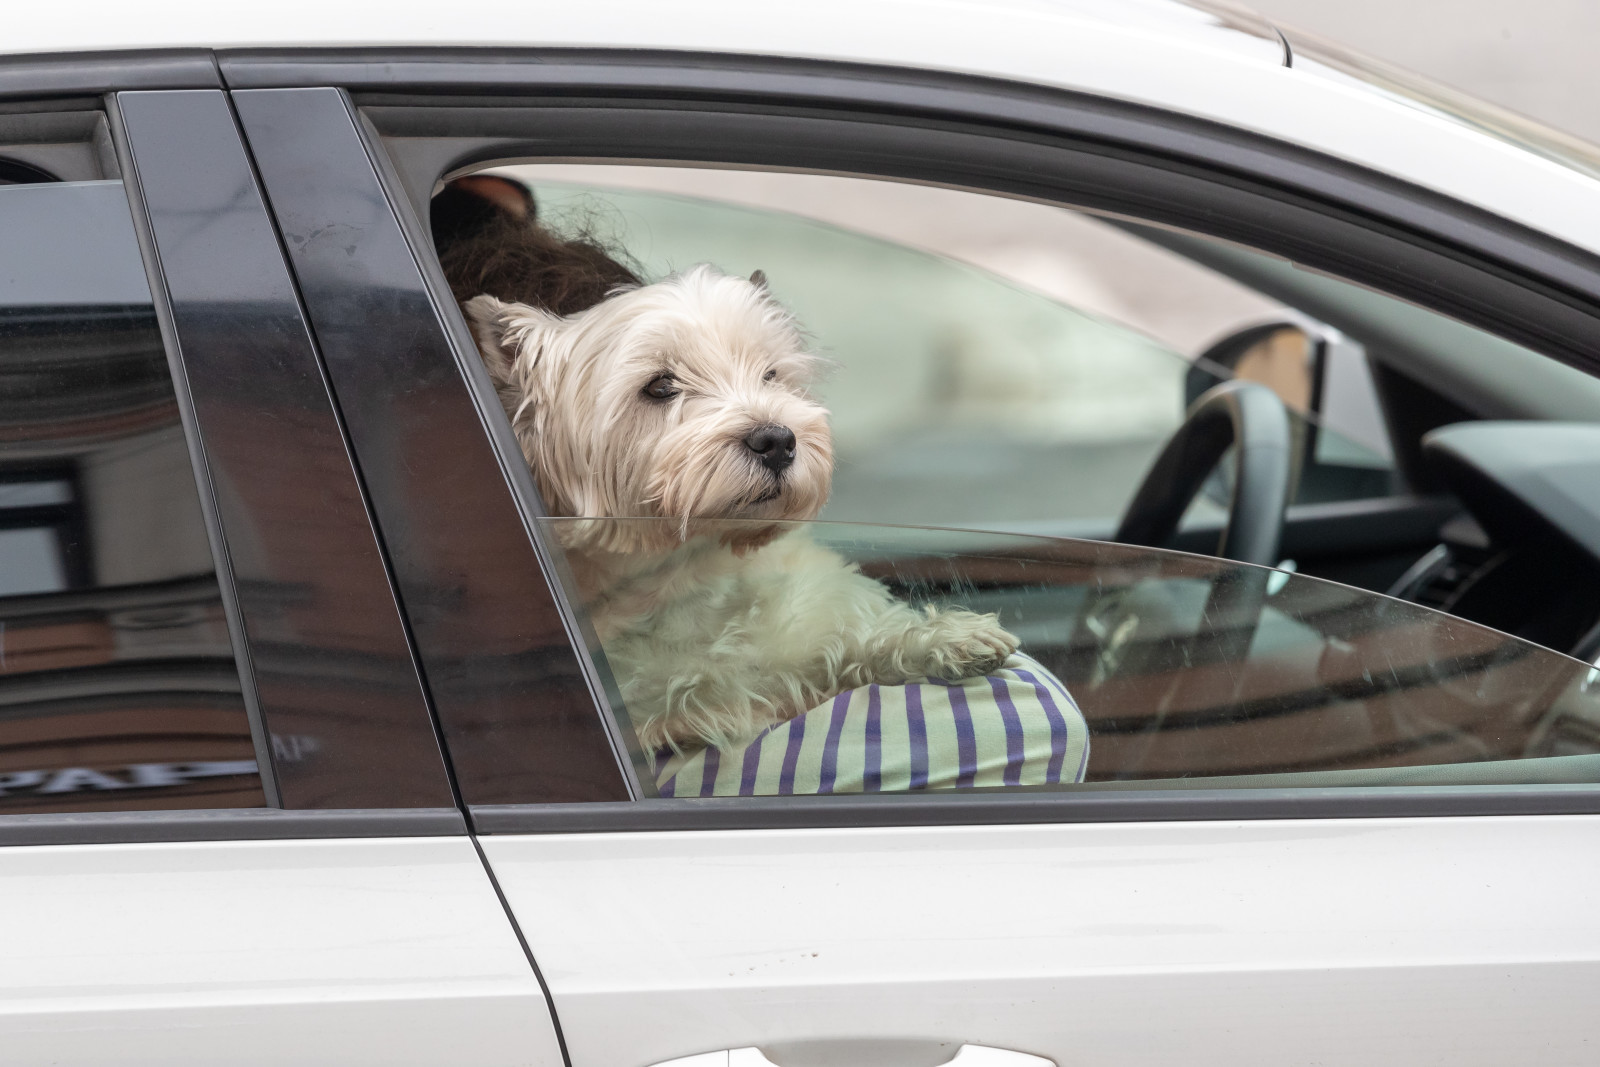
(833, 659)
(1005, 366)
(118, 684)
(992, 363)
(994, 338)
(998, 373)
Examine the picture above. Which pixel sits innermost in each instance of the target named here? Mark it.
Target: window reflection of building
(118, 685)
(40, 533)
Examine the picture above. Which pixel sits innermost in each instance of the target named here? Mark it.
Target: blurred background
(1533, 56)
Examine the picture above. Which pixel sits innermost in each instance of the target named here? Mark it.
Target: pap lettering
(133, 776)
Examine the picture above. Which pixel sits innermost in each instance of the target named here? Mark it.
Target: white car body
(1448, 940)
(341, 951)
(1208, 943)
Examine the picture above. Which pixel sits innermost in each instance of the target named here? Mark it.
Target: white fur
(713, 629)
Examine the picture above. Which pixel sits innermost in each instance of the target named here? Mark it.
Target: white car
(309, 755)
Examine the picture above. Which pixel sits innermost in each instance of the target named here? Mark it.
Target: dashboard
(1529, 562)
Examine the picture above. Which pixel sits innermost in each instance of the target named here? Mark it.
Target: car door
(227, 833)
(1251, 918)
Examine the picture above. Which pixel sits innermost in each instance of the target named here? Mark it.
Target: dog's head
(686, 399)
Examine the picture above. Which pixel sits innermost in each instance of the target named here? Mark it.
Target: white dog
(686, 400)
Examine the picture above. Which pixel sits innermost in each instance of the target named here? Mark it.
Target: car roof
(818, 28)
(1201, 57)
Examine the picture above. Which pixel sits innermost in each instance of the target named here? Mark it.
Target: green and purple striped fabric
(1017, 726)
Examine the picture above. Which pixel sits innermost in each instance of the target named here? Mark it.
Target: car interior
(1518, 552)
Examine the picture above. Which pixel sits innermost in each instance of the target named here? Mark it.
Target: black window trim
(226, 824)
(43, 75)
(652, 91)
(1036, 805)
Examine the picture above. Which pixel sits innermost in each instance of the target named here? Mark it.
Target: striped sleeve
(1018, 726)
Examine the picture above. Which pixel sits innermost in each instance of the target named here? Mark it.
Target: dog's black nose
(773, 445)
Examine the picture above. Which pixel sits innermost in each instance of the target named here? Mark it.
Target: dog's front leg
(905, 644)
(854, 632)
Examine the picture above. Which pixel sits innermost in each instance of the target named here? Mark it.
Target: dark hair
(486, 250)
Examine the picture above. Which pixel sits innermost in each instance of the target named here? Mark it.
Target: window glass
(1135, 667)
(118, 686)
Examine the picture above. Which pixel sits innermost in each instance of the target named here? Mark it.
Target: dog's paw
(966, 645)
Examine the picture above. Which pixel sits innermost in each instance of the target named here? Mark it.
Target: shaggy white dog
(686, 401)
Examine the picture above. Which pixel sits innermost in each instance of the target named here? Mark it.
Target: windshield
(1131, 665)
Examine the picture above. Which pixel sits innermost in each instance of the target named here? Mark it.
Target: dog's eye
(771, 375)
(662, 388)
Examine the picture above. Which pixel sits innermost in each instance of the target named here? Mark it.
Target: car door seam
(516, 928)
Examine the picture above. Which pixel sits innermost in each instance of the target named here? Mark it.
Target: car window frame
(598, 105)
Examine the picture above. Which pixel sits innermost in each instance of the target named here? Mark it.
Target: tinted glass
(118, 685)
(1136, 667)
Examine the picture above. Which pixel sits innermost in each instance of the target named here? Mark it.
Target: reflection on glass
(1188, 671)
(118, 687)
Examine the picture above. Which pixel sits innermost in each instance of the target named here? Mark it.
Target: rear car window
(118, 683)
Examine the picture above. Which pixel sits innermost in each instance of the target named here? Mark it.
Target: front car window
(1006, 382)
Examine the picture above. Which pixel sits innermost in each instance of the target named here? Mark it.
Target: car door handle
(866, 1052)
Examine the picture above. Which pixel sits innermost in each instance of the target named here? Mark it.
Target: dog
(654, 417)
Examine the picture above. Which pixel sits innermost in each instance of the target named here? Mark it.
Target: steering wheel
(1252, 419)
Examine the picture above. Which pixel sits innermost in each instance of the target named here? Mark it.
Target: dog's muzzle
(773, 446)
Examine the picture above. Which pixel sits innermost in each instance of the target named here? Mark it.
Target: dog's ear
(758, 278)
(512, 338)
(494, 324)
